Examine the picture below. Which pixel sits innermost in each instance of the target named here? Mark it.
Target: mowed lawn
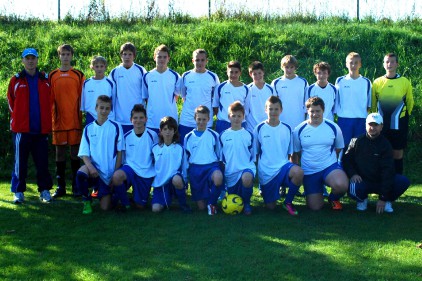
(56, 242)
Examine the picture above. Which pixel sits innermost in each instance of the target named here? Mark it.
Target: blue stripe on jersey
(187, 137)
(288, 127)
(309, 91)
(150, 136)
(86, 132)
(368, 85)
(144, 78)
(258, 129)
(127, 133)
(335, 134)
(275, 86)
(270, 88)
(175, 75)
(250, 147)
(213, 76)
(184, 75)
(112, 75)
(219, 93)
(335, 94)
(109, 82)
(140, 68)
(116, 138)
(337, 82)
(305, 82)
(86, 81)
(247, 92)
(301, 129)
(221, 145)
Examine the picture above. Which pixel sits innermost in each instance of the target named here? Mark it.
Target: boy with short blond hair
(95, 86)
(259, 92)
(197, 87)
(160, 89)
(323, 89)
(291, 89)
(238, 157)
(228, 92)
(353, 99)
(201, 164)
(66, 88)
(128, 79)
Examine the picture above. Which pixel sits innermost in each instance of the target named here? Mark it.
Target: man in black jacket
(369, 164)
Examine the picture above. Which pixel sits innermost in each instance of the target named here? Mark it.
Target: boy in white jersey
(273, 137)
(96, 86)
(238, 157)
(128, 79)
(323, 89)
(100, 150)
(317, 142)
(226, 93)
(201, 164)
(291, 88)
(169, 180)
(197, 87)
(161, 87)
(138, 167)
(259, 92)
(353, 99)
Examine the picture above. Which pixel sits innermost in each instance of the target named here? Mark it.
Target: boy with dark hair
(66, 89)
(28, 96)
(100, 150)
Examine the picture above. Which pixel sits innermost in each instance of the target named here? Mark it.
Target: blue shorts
(200, 180)
(183, 131)
(126, 128)
(98, 184)
(351, 128)
(271, 190)
(164, 194)
(141, 186)
(237, 188)
(314, 183)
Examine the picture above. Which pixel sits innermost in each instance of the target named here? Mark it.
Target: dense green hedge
(234, 39)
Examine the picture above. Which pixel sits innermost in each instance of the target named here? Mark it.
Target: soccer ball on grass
(232, 204)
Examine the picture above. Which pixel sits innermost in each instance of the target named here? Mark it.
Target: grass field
(56, 242)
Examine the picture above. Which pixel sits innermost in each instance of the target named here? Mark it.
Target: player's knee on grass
(118, 177)
(177, 181)
(217, 177)
(247, 179)
(156, 208)
(315, 202)
(296, 175)
(338, 182)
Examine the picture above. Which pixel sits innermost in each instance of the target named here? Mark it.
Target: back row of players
(130, 84)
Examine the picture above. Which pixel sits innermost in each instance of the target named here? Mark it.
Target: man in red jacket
(29, 101)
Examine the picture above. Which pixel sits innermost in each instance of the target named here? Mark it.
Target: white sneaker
(388, 207)
(362, 206)
(18, 198)
(45, 196)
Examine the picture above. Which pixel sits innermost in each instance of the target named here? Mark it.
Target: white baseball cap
(374, 118)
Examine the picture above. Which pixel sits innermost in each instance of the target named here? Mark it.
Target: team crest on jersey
(266, 136)
(346, 86)
(306, 136)
(228, 139)
(94, 135)
(64, 74)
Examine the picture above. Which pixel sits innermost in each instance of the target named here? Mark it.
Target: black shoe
(60, 192)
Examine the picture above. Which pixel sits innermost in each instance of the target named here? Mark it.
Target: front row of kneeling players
(213, 162)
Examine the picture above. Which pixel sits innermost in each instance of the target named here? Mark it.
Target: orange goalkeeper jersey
(66, 90)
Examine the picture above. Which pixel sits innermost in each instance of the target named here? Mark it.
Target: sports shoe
(388, 207)
(362, 206)
(60, 192)
(212, 210)
(94, 194)
(290, 209)
(247, 209)
(45, 196)
(336, 205)
(87, 208)
(18, 198)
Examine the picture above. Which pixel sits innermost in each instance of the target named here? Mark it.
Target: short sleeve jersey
(167, 162)
(272, 146)
(317, 145)
(327, 94)
(128, 90)
(255, 105)
(197, 89)
(202, 148)
(92, 89)
(292, 95)
(66, 90)
(237, 154)
(224, 95)
(353, 96)
(101, 144)
(160, 90)
(138, 152)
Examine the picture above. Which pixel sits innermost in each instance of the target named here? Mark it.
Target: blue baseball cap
(29, 52)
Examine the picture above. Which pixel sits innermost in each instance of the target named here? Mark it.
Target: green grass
(56, 242)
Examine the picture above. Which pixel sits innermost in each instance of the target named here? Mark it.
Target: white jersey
(327, 94)
(160, 90)
(197, 89)
(292, 95)
(353, 96)
(167, 162)
(202, 149)
(226, 94)
(138, 152)
(237, 154)
(92, 89)
(317, 145)
(129, 90)
(272, 146)
(101, 144)
(255, 105)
